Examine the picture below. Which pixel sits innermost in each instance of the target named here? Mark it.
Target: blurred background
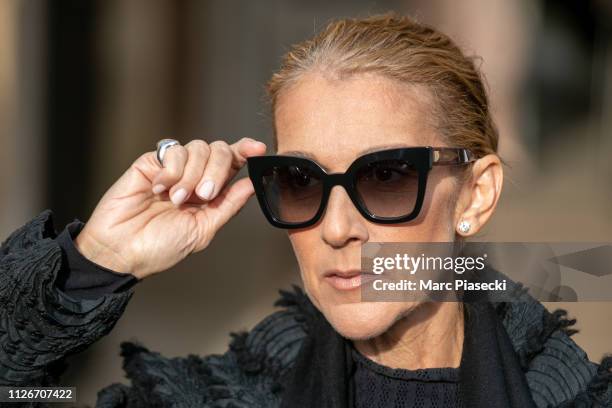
(87, 86)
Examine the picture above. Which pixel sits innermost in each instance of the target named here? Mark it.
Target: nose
(342, 224)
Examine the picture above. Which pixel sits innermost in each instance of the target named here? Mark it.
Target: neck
(430, 335)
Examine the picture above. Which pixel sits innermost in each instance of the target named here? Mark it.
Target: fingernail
(179, 196)
(206, 189)
(158, 188)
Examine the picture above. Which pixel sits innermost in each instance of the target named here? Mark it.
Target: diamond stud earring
(464, 227)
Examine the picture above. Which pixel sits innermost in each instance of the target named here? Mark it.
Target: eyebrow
(373, 149)
(384, 147)
(305, 155)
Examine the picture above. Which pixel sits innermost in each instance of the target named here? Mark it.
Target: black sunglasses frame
(421, 158)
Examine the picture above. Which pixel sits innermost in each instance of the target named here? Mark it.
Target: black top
(378, 386)
(81, 278)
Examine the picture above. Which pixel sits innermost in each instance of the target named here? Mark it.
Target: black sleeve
(39, 323)
(81, 278)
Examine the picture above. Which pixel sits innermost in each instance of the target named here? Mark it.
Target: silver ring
(162, 146)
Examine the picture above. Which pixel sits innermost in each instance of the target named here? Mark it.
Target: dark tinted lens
(388, 188)
(293, 192)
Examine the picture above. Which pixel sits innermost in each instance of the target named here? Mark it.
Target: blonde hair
(400, 48)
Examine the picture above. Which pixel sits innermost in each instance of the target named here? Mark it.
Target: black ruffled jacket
(293, 358)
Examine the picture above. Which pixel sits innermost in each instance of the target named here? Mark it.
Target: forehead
(336, 120)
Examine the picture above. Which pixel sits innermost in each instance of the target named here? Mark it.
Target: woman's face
(334, 121)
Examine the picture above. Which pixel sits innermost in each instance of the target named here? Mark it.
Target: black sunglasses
(386, 186)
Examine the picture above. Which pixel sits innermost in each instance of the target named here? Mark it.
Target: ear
(479, 195)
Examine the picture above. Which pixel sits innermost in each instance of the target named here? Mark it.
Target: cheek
(307, 249)
(304, 244)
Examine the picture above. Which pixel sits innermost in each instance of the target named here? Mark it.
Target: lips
(346, 280)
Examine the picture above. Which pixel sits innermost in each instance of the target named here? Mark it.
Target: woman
(365, 97)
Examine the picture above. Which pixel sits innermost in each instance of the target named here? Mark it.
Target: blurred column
(22, 50)
(71, 92)
(603, 62)
(8, 94)
(136, 102)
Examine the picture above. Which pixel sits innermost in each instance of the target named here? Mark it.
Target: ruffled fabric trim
(40, 325)
(599, 390)
(558, 372)
(249, 374)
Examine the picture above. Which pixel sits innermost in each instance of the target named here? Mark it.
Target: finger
(218, 173)
(217, 170)
(174, 164)
(227, 204)
(198, 154)
(242, 149)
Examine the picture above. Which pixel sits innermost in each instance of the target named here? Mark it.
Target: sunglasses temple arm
(451, 156)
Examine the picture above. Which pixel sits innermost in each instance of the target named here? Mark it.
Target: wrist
(100, 254)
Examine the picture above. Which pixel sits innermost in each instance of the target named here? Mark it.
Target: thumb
(228, 203)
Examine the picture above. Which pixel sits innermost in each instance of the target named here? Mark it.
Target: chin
(363, 320)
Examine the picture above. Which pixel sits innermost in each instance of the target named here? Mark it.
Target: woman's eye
(383, 174)
(388, 174)
(301, 178)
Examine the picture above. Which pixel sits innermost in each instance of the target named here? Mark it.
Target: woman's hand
(154, 216)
